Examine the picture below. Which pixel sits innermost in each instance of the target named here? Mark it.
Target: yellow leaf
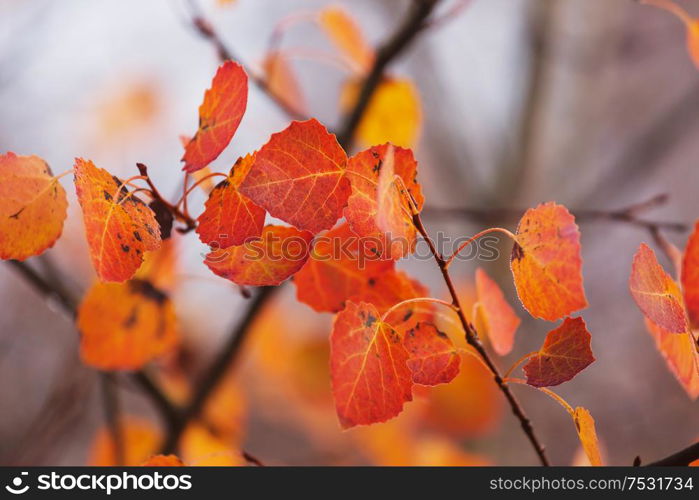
(394, 113)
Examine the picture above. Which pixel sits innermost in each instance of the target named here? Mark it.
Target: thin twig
(112, 413)
(473, 341)
(627, 215)
(207, 31)
(414, 23)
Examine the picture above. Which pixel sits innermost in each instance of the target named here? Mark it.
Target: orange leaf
(219, 116)
(119, 226)
(202, 448)
(364, 171)
(125, 325)
(370, 378)
(655, 292)
(690, 276)
(299, 177)
(499, 319)
(691, 24)
(32, 206)
(393, 114)
(680, 353)
(433, 357)
(279, 253)
(585, 425)
(282, 82)
(163, 461)
(546, 262)
(565, 353)
(336, 271)
(229, 218)
(345, 34)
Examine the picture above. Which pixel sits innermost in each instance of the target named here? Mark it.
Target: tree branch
(473, 341)
(681, 458)
(69, 306)
(218, 368)
(413, 24)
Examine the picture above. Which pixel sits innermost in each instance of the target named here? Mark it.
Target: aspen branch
(681, 458)
(473, 341)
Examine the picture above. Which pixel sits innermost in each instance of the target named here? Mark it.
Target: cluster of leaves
(385, 338)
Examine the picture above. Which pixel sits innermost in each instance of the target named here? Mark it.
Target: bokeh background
(591, 103)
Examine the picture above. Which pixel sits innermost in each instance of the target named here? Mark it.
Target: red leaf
(337, 270)
(690, 276)
(546, 262)
(656, 293)
(363, 172)
(433, 357)
(279, 253)
(500, 320)
(299, 177)
(229, 218)
(370, 378)
(120, 228)
(219, 116)
(565, 353)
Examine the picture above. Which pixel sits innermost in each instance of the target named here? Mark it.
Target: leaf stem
(473, 238)
(519, 362)
(402, 303)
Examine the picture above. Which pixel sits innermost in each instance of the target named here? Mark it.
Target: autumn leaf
(585, 426)
(393, 114)
(565, 353)
(680, 354)
(163, 461)
(229, 217)
(433, 358)
(219, 116)
(362, 211)
(656, 293)
(546, 262)
(691, 25)
(343, 31)
(499, 320)
(123, 326)
(337, 270)
(120, 228)
(200, 447)
(268, 261)
(370, 378)
(32, 207)
(299, 177)
(282, 82)
(690, 277)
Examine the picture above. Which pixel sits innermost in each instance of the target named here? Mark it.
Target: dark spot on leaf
(137, 236)
(147, 290)
(125, 248)
(370, 319)
(107, 196)
(517, 252)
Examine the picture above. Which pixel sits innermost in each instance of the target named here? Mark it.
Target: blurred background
(591, 103)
